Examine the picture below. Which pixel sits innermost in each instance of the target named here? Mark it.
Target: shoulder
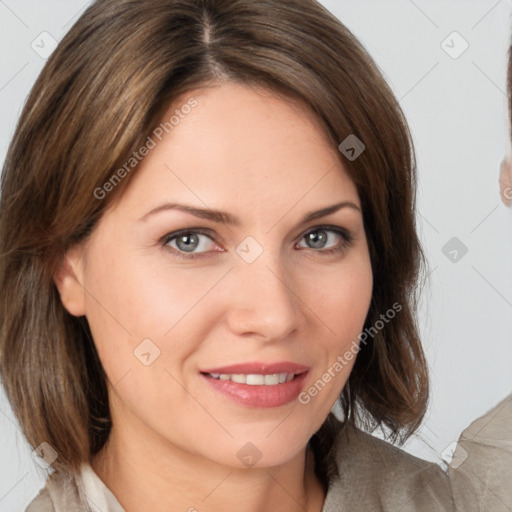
(77, 492)
(481, 467)
(41, 503)
(494, 427)
(384, 477)
(59, 494)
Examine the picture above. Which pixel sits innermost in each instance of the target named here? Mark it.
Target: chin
(263, 449)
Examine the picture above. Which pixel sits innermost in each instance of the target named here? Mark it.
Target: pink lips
(259, 395)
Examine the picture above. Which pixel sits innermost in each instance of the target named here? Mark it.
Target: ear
(506, 181)
(69, 278)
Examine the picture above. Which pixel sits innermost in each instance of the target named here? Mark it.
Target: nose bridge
(264, 301)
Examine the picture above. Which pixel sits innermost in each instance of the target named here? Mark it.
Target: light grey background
(457, 111)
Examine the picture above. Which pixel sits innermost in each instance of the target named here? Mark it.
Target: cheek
(145, 310)
(343, 295)
(342, 301)
(134, 309)
(336, 353)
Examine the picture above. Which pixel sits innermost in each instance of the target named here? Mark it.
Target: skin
(175, 440)
(506, 181)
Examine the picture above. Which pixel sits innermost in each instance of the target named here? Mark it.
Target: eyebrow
(228, 219)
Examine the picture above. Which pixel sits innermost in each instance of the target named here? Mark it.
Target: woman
(209, 199)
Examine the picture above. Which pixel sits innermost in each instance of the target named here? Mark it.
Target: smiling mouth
(261, 390)
(258, 384)
(254, 379)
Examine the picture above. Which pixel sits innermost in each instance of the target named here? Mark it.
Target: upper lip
(258, 368)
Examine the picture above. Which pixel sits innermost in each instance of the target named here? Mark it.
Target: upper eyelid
(175, 234)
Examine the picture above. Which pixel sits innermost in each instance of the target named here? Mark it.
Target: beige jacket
(374, 476)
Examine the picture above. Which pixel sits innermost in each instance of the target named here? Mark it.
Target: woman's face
(174, 317)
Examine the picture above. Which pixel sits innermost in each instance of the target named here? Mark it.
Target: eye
(184, 243)
(328, 238)
(194, 243)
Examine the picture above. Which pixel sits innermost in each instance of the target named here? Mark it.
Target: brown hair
(96, 101)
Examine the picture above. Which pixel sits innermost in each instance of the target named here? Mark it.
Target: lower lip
(260, 396)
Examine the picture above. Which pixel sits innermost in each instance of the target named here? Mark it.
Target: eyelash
(346, 240)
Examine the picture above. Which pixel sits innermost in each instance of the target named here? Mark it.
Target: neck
(154, 475)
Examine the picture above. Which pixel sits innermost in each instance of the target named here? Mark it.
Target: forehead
(244, 146)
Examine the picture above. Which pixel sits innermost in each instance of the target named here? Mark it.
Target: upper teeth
(255, 380)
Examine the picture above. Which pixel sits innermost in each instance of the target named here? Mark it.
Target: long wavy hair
(98, 98)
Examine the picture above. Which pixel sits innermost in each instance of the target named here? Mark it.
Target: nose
(263, 302)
